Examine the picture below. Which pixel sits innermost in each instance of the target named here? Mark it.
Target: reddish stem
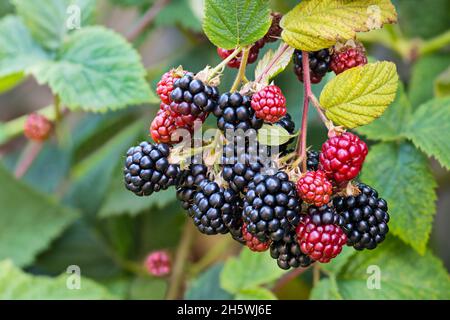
(301, 145)
(29, 155)
(147, 19)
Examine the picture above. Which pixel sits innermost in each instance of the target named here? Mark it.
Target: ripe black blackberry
(233, 112)
(189, 183)
(271, 206)
(288, 254)
(147, 169)
(312, 161)
(211, 204)
(240, 163)
(275, 29)
(365, 218)
(319, 63)
(192, 96)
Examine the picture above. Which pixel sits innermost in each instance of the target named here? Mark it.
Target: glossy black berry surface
(365, 218)
(288, 254)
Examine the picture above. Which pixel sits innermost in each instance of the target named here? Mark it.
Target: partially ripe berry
(252, 241)
(158, 263)
(314, 188)
(269, 104)
(348, 57)
(165, 85)
(319, 235)
(342, 157)
(162, 128)
(236, 62)
(37, 127)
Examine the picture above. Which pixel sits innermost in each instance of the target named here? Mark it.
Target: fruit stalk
(241, 72)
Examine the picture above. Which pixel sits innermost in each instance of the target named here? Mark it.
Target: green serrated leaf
(233, 23)
(26, 213)
(96, 70)
(207, 286)
(392, 124)
(430, 130)
(18, 51)
(442, 84)
(49, 20)
(402, 176)
(273, 135)
(266, 69)
(317, 24)
(17, 285)
(257, 293)
(423, 75)
(404, 274)
(326, 289)
(358, 96)
(248, 271)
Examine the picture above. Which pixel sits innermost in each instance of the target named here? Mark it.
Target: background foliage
(71, 208)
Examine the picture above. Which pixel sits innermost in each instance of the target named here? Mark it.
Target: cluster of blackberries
(272, 35)
(338, 59)
(302, 217)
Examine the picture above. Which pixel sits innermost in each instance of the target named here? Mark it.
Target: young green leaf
(442, 84)
(358, 96)
(96, 70)
(400, 273)
(273, 135)
(317, 24)
(232, 23)
(430, 130)
(392, 124)
(267, 69)
(248, 271)
(31, 220)
(402, 176)
(17, 285)
(51, 20)
(18, 51)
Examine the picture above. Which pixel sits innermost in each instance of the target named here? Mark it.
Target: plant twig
(29, 154)
(288, 277)
(319, 110)
(180, 260)
(301, 144)
(146, 20)
(435, 44)
(241, 73)
(274, 60)
(219, 68)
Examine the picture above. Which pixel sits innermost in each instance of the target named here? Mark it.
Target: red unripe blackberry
(319, 234)
(165, 85)
(348, 57)
(147, 169)
(158, 263)
(37, 127)
(162, 128)
(365, 218)
(319, 64)
(269, 104)
(314, 188)
(252, 242)
(288, 254)
(342, 157)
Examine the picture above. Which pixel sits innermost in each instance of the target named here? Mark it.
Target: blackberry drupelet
(210, 204)
(319, 64)
(189, 183)
(319, 234)
(192, 96)
(365, 218)
(271, 206)
(240, 163)
(288, 254)
(233, 112)
(312, 161)
(147, 169)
